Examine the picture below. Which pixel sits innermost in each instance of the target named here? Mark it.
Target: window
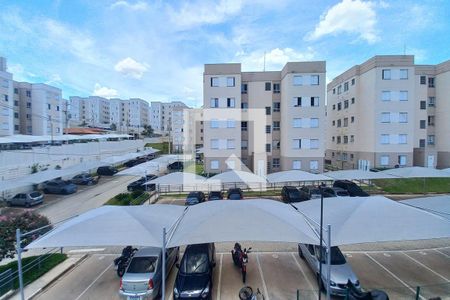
(276, 106)
(384, 139)
(16, 91)
(230, 144)
(314, 101)
(314, 165)
(244, 105)
(402, 160)
(244, 88)
(346, 104)
(276, 88)
(275, 163)
(385, 117)
(430, 120)
(423, 105)
(297, 80)
(334, 91)
(230, 102)
(339, 89)
(314, 122)
(332, 139)
(334, 122)
(402, 138)
(16, 115)
(344, 156)
(231, 124)
(268, 86)
(28, 93)
(57, 108)
(276, 125)
(297, 123)
(431, 82)
(16, 127)
(314, 79)
(338, 140)
(345, 86)
(334, 106)
(244, 144)
(244, 126)
(431, 101)
(6, 98)
(268, 147)
(230, 82)
(16, 103)
(268, 111)
(339, 106)
(57, 130)
(28, 117)
(431, 139)
(403, 96)
(215, 81)
(275, 144)
(29, 129)
(352, 139)
(352, 119)
(268, 129)
(214, 164)
(345, 139)
(422, 143)
(214, 102)
(353, 100)
(386, 95)
(353, 81)
(403, 117)
(296, 164)
(297, 101)
(403, 74)
(345, 122)
(339, 123)
(423, 79)
(314, 144)
(384, 160)
(296, 143)
(214, 144)
(386, 74)
(422, 124)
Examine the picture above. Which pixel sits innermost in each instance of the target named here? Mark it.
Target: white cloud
(103, 91)
(275, 59)
(130, 67)
(139, 5)
(349, 16)
(54, 79)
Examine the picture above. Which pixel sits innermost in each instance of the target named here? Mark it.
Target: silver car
(26, 199)
(341, 272)
(142, 279)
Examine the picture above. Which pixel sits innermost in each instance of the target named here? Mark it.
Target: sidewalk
(50, 277)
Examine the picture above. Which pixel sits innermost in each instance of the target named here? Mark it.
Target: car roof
(194, 193)
(338, 189)
(290, 187)
(148, 251)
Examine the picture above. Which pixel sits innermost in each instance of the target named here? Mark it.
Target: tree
(113, 127)
(148, 131)
(26, 222)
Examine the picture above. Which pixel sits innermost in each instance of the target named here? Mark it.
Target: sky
(156, 50)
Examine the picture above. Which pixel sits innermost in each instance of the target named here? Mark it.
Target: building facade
(160, 115)
(92, 111)
(7, 109)
(264, 121)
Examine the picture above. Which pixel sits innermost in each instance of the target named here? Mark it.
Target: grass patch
(192, 167)
(126, 199)
(414, 185)
(162, 147)
(34, 270)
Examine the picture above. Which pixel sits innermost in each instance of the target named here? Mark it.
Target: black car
(195, 198)
(106, 170)
(291, 194)
(313, 192)
(235, 194)
(139, 185)
(217, 195)
(352, 188)
(195, 275)
(130, 163)
(176, 166)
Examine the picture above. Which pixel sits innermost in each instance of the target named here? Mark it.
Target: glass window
(314, 79)
(275, 163)
(230, 82)
(403, 117)
(268, 149)
(268, 86)
(231, 124)
(403, 73)
(214, 102)
(431, 101)
(402, 160)
(345, 122)
(386, 95)
(214, 144)
(268, 111)
(346, 104)
(296, 143)
(276, 106)
(244, 125)
(385, 117)
(314, 144)
(244, 105)
(214, 164)
(422, 143)
(431, 82)
(276, 125)
(339, 106)
(386, 74)
(244, 88)
(297, 80)
(314, 122)
(296, 164)
(275, 144)
(402, 138)
(345, 86)
(423, 79)
(276, 88)
(214, 123)
(215, 81)
(230, 102)
(244, 144)
(431, 140)
(384, 139)
(142, 264)
(297, 101)
(314, 101)
(297, 123)
(403, 96)
(314, 165)
(423, 124)
(230, 144)
(194, 263)
(384, 160)
(423, 105)
(353, 81)
(268, 129)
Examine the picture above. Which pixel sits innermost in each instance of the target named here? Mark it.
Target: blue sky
(155, 50)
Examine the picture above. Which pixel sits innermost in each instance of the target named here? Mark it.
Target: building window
(314, 79)
(422, 143)
(403, 117)
(28, 93)
(403, 96)
(423, 105)
(386, 95)
(422, 124)
(352, 139)
(28, 117)
(339, 123)
(244, 126)
(334, 106)
(314, 144)
(403, 74)
(384, 160)
(297, 123)
(16, 115)
(244, 144)
(268, 147)
(275, 163)
(268, 86)
(334, 122)
(276, 125)
(345, 139)
(314, 101)
(352, 119)
(334, 91)
(386, 74)
(384, 139)
(385, 117)
(296, 144)
(344, 156)
(338, 139)
(314, 165)
(6, 98)
(296, 164)
(345, 122)
(268, 111)
(346, 104)
(57, 108)
(353, 100)
(16, 127)
(353, 81)
(332, 139)
(314, 122)
(230, 82)
(16, 91)
(431, 82)
(244, 88)
(268, 129)
(215, 81)
(16, 103)
(276, 106)
(297, 101)
(230, 102)
(214, 102)
(339, 106)
(297, 80)
(423, 79)
(339, 89)
(230, 144)
(57, 130)
(431, 101)
(402, 160)
(244, 105)
(214, 164)
(214, 144)
(231, 124)
(275, 144)
(430, 120)
(431, 139)
(276, 88)
(402, 138)
(345, 86)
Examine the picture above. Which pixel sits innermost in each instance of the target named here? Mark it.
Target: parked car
(195, 275)
(312, 192)
(138, 185)
(215, 195)
(130, 163)
(291, 194)
(106, 170)
(352, 188)
(142, 279)
(341, 272)
(59, 186)
(335, 192)
(84, 179)
(26, 199)
(235, 194)
(176, 166)
(195, 198)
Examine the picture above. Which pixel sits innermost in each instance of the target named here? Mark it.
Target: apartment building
(7, 112)
(187, 130)
(264, 121)
(92, 110)
(383, 114)
(138, 113)
(160, 115)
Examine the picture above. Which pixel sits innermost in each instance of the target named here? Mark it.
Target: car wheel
(27, 204)
(46, 191)
(9, 203)
(300, 253)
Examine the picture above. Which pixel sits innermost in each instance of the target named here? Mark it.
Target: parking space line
(219, 284)
(93, 282)
(446, 255)
(429, 269)
(393, 251)
(393, 275)
(303, 272)
(262, 278)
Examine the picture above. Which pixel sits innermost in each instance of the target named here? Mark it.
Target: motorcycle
(356, 294)
(246, 293)
(240, 259)
(121, 262)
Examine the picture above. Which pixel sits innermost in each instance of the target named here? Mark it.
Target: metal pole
(163, 280)
(329, 263)
(321, 242)
(19, 262)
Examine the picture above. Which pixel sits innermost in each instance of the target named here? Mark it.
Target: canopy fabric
(113, 226)
(148, 168)
(295, 175)
(235, 176)
(117, 159)
(249, 220)
(178, 178)
(357, 175)
(374, 219)
(439, 205)
(21, 138)
(416, 172)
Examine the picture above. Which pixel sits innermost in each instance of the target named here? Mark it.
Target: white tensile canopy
(357, 175)
(235, 176)
(416, 172)
(439, 205)
(296, 176)
(356, 220)
(149, 167)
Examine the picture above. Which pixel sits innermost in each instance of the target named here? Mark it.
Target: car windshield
(192, 200)
(337, 258)
(35, 194)
(143, 264)
(235, 196)
(194, 263)
(294, 194)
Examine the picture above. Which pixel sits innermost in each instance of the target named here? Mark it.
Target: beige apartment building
(264, 121)
(187, 130)
(383, 114)
(6, 99)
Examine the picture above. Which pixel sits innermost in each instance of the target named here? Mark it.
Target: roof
(83, 130)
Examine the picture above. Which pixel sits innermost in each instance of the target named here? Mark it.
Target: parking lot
(278, 274)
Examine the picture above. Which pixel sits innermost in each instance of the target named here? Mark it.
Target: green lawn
(414, 185)
(126, 199)
(48, 262)
(162, 147)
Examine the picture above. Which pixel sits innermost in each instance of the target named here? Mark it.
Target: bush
(125, 199)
